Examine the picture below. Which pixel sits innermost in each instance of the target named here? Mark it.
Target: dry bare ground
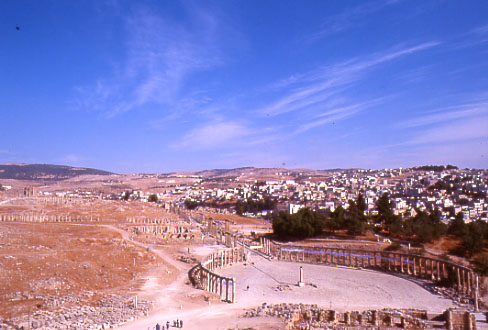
(75, 263)
(104, 210)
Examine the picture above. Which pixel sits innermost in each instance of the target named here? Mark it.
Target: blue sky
(159, 86)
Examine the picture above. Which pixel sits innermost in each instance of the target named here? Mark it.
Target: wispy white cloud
(336, 114)
(472, 38)
(214, 135)
(467, 129)
(161, 56)
(225, 134)
(351, 17)
(318, 86)
(448, 114)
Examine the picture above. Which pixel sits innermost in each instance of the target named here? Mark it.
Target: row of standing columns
(414, 265)
(419, 266)
(205, 277)
(266, 245)
(46, 218)
(223, 286)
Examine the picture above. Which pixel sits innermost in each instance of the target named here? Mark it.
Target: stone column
(476, 307)
(233, 290)
(401, 264)
(300, 281)
(458, 278)
(227, 289)
(463, 273)
(220, 287)
(439, 278)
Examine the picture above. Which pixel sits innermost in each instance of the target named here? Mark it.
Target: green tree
(153, 198)
(305, 223)
(480, 264)
(355, 221)
(385, 209)
(361, 203)
(457, 227)
(473, 241)
(126, 195)
(425, 227)
(191, 205)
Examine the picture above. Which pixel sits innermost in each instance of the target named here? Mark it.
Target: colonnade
(158, 221)
(461, 278)
(437, 270)
(266, 245)
(162, 229)
(46, 218)
(203, 276)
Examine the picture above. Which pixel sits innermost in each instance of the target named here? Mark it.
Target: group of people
(176, 324)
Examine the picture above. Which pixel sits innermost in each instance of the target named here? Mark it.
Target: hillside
(45, 172)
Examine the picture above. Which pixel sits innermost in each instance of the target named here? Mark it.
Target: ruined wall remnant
(303, 316)
(459, 320)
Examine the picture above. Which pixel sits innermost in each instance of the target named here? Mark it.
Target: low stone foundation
(311, 317)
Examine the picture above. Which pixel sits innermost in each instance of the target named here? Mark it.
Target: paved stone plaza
(336, 288)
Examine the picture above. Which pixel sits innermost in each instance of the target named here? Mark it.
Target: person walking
(167, 325)
(158, 327)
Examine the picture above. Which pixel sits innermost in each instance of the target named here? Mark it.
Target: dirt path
(179, 300)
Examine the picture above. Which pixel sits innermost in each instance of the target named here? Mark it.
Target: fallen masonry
(310, 317)
(110, 313)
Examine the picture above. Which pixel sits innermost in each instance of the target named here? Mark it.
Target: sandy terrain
(61, 260)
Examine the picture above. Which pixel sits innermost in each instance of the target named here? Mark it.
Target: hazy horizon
(159, 87)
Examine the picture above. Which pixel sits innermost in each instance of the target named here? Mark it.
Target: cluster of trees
(305, 223)
(436, 168)
(473, 235)
(191, 205)
(351, 219)
(241, 207)
(126, 195)
(424, 227)
(255, 206)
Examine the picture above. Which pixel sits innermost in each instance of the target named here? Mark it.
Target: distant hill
(45, 172)
(269, 173)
